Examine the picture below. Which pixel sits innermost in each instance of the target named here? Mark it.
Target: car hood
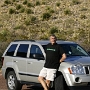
(84, 60)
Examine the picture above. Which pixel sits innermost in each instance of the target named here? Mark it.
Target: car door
(35, 63)
(20, 59)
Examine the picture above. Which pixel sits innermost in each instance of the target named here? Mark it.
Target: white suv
(23, 60)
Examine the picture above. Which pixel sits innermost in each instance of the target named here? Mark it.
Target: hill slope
(37, 19)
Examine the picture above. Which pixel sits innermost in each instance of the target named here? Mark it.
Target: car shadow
(70, 88)
(80, 88)
(35, 88)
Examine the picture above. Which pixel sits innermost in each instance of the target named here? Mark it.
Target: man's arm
(63, 57)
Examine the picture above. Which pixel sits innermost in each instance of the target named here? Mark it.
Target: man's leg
(51, 73)
(43, 83)
(48, 83)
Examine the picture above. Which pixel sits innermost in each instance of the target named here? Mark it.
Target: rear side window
(22, 50)
(11, 50)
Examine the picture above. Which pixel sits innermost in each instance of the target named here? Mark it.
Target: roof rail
(24, 40)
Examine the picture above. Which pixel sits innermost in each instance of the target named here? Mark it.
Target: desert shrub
(4, 32)
(27, 22)
(13, 0)
(84, 9)
(44, 2)
(75, 2)
(51, 11)
(18, 6)
(48, 8)
(83, 17)
(3, 46)
(4, 35)
(17, 27)
(21, 27)
(1, 25)
(53, 30)
(25, 2)
(44, 37)
(7, 2)
(67, 12)
(11, 11)
(29, 11)
(33, 18)
(29, 4)
(57, 4)
(37, 3)
(46, 16)
(22, 10)
(17, 0)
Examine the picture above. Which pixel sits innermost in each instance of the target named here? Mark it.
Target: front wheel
(12, 82)
(60, 83)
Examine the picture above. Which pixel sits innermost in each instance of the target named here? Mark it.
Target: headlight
(77, 69)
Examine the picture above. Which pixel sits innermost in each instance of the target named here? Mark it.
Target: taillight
(2, 60)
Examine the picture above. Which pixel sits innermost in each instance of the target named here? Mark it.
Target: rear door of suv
(35, 62)
(20, 59)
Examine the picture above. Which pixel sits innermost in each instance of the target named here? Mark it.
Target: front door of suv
(20, 60)
(35, 62)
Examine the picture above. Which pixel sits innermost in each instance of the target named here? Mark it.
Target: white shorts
(48, 74)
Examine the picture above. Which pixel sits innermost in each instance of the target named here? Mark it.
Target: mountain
(37, 19)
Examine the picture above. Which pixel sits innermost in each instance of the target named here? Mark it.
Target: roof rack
(24, 40)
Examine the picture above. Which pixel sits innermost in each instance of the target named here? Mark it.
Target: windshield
(72, 50)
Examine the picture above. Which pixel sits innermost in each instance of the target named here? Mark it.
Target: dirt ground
(4, 87)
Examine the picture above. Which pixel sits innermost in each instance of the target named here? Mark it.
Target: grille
(87, 69)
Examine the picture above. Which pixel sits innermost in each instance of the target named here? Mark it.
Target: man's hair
(53, 36)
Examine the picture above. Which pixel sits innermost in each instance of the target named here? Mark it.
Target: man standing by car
(54, 56)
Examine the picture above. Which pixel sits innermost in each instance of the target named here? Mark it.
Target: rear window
(22, 50)
(11, 50)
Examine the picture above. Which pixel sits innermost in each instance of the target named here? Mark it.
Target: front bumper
(77, 80)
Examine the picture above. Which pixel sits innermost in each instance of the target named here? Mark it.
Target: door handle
(29, 62)
(15, 61)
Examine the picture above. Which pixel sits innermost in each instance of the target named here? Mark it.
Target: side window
(11, 50)
(22, 50)
(36, 52)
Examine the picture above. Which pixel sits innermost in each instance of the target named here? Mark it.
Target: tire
(60, 83)
(12, 82)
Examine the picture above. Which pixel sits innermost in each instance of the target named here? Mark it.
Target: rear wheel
(12, 82)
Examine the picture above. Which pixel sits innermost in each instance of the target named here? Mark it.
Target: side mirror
(37, 56)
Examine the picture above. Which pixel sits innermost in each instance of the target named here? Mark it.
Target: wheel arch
(64, 77)
(17, 85)
(60, 73)
(7, 71)
(11, 69)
